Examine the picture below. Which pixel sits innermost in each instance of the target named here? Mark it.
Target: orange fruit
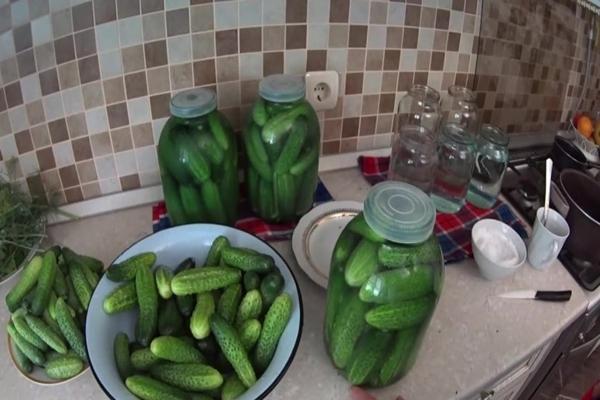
(585, 126)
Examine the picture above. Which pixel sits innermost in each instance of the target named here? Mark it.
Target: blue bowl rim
(296, 345)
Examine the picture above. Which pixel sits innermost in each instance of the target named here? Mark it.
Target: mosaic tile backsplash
(85, 85)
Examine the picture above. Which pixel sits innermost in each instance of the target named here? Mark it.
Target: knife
(544, 295)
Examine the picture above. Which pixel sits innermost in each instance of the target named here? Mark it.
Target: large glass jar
(414, 143)
(197, 155)
(282, 142)
(456, 157)
(385, 279)
(491, 160)
(460, 108)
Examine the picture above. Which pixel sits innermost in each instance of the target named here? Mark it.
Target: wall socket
(322, 89)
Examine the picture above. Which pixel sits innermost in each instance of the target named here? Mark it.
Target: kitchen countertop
(473, 338)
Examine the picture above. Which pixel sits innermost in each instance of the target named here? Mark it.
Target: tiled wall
(86, 84)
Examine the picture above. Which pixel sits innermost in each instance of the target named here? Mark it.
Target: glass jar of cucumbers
(197, 155)
(282, 141)
(385, 279)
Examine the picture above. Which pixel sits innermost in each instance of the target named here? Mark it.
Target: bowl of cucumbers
(196, 311)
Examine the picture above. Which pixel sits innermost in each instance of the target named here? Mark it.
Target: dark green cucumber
(28, 279)
(200, 319)
(175, 349)
(218, 130)
(229, 302)
(344, 246)
(91, 276)
(251, 281)
(143, 359)
(191, 201)
(60, 284)
(233, 349)
(271, 286)
(257, 154)
(232, 388)
(23, 363)
(170, 321)
(169, 155)
(284, 189)
(267, 207)
(337, 293)
(250, 307)
(44, 332)
(64, 367)
(274, 324)
(307, 186)
(186, 303)
(348, 326)
(70, 329)
(229, 188)
(198, 280)
(92, 263)
(292, 148)
(259, 112)
(21, 325)
(172, 200)
(307, 159)
(122, 356)
(188, 376)
(33, 353)
(191, 158)
(122, 298)
(210, 149)
(51, 322)
(163, 277)
(72, 299)
(145, 287)
(83, 290)
(125, 270)
(398, 285)
(399, 359)
(247, 261)
(401, 315)
(213, 203)
(362, 263)
(249, 333)
(277, 126)
(252, 188)
(147, 388)
(369, 353)
(359, 225)
(214, 254)
(393, 255)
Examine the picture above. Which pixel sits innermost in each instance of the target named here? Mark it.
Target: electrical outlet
(322, 89)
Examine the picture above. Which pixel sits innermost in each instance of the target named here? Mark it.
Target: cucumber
(147, 388)
(69, 329)
(271, 286)
(27, 300)
(191, 158)
(200, 320)
(122, 298)
(163, 277)
(267, 205)
(337, 292)
(125, 270)
(51, 322)
(199, 396)
(229, 301)
(274, 324)
(172, 200)
(72, 299)
(393, 255)
(90, 276)
(33, 353)
(397, 285)
(249, 333)
(251, 280)
(217, 129)
(250, 307)
(188, 376)
(64, 367)
(232, 388)
(147, 323)
(210, 149)
(23, 363)
(362, 263)
(401, 315)
(229, 188)
(214, 254)
(45, 333)
(248, 261)
(293, 146)
(307, 186)
(252, 188)
(259, 112)
(175, 349)
(257, 154)
(204, 279)
(143, 359)
(213, 203)
(277, 126)
(185, 304)
(233, 349)
(52, 304)
(348, 326)
(83, 290)
(122, 356)
(169, 155)
(359, 226)
(28, 279)
(399, 359)
(306, 160)
(60, 284)
(368, 355)
(23, 328)
(170, 321)
(191, 201)
(92, 263)
(284, 189)
(344, 246)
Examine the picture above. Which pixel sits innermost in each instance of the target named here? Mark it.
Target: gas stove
(523, 187)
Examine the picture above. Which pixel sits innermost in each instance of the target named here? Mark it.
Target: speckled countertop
(474, 337)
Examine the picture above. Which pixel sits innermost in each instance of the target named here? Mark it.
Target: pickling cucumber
(274, 324)
(28, 279)
(198, 280)
(362, 263)
(247, 261)
(397, 285)
(147, 296)
(122, 298)
(125, 270)
(401, 315)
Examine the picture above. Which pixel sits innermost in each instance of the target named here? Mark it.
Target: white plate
(316, 234)
(171, 247)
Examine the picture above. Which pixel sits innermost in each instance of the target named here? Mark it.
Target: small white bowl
(489, 268)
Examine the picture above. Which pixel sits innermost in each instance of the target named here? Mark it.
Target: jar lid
(282, 88)
(494, 134)
(193, 103)
(400, 212)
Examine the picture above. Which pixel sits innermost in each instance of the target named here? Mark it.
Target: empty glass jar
(491, 159)
(460, 108)
(414, 144)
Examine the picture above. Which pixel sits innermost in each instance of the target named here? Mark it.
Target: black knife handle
(553, 295)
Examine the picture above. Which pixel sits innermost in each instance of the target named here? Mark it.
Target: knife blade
(543, 295)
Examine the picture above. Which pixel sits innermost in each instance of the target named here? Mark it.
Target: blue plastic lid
(282, 88)
(193, 103)
(400, 212)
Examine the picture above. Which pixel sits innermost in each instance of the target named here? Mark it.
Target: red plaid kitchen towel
(452, 230)
(247, 220)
